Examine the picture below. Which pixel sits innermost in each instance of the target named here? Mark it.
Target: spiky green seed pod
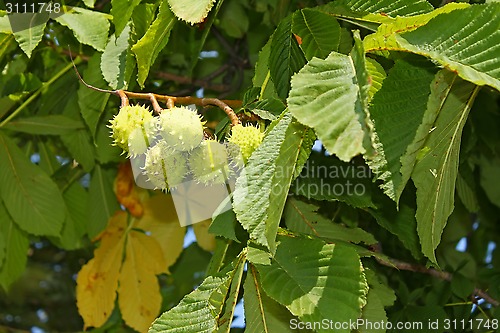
(133, 129)
(181, 128)
(247, 138)
(209, 163)
(164, 167)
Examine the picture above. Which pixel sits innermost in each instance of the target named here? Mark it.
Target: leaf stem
(36, 93)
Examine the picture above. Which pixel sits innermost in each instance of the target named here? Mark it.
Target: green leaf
(263, 314)
(320, 32)
(200, 42)
(122, 12)
(28, 29)
(397, 110)
(389, 7)
(226, 317)
(234, 19)
(102, 203)
(48, 161)
(76, 199)
(198, 311)
(7, 44)
(16, 244)
(399, 221)
(386, 31)
(305, 153)
(262, 77)
(30, 196)
(80, 147)
(269, 108)
(89, 27)
(377, 76)
(285, 57)
(378, 297)
(191, 11)
(89, 3)
(44, 125)
(149, 46)
(105, 149)
(457, 47)
(262, 188)
(117, 62)
(467, 187)
(304, 218)
(435, 173)
(328, 178)
(223, 223)
(91, 102)
(331, 97)
(489, 173)
(322, 281)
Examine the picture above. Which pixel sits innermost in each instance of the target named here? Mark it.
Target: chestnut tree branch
(442, 275)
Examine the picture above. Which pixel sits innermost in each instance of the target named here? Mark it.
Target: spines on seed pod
(247, 138)
(133, 129)
(209, 163)
(165, 167)
(181, 128)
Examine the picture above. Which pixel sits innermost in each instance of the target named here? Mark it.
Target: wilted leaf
(97, 281)
(160, 221)
(139, 294)
(204, 239)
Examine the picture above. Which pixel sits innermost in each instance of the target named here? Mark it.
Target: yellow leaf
(139, 291)
(160, 221)
(98, 280)
(205, 239)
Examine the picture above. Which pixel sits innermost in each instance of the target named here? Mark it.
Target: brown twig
(225, 105)
(446, 276)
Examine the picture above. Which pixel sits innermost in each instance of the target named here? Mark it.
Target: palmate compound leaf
(262, 313)
(331, 96)
(200, 311)
(129, 257)
(316, 281)
(262, 188)
(97, 281)
(31, 197)
(436, 168)
(468, 45)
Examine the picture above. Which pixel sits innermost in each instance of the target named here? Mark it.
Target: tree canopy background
(393, 216)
